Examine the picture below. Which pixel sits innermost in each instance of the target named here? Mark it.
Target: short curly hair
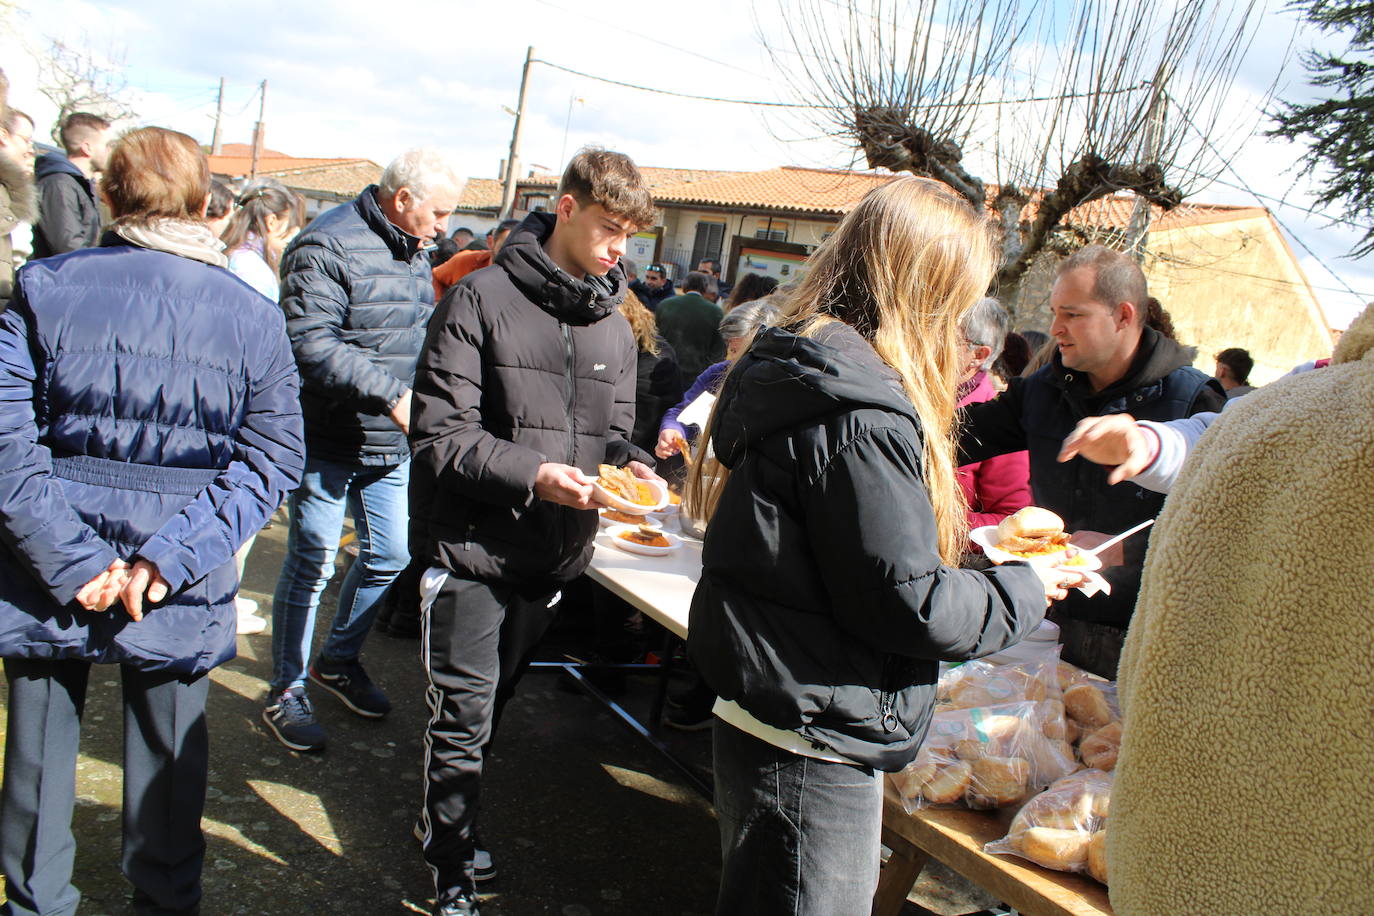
(600, 176)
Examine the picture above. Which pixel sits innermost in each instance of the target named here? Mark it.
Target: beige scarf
(186, 238)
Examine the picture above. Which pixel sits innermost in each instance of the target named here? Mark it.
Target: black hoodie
(823, 607)
(68, 216)
(523, 364)
(1037, 413)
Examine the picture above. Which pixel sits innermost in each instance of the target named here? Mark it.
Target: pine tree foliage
(1339, 130)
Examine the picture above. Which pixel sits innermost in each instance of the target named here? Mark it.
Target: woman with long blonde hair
(830, 587)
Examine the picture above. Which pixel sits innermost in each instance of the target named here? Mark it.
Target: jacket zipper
(888, 700)
(571, 399)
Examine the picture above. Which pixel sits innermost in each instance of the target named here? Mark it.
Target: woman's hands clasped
(123, 582)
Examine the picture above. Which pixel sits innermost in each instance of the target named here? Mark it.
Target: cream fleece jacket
(1247, 681)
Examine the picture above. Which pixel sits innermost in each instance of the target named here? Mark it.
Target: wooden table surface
(955, 836)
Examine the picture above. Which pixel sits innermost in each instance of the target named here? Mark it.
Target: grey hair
(985, 325)
(423, 171)
(748, 319)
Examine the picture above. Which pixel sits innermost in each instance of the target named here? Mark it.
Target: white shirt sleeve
(1176, 440)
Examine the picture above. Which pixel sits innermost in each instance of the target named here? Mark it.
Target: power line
(763, 104)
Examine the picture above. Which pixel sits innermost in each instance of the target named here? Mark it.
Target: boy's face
(595, 238)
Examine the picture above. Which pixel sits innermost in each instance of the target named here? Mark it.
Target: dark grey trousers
(166, 748)
(799, 836)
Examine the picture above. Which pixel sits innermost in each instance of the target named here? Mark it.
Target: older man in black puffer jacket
(357, 293)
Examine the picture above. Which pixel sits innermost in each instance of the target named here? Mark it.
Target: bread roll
(948, 784)
(1064, 850)
(970, 750)
(1087, 706)
(1030, 522)
(998, 781)
(1052, 720)
(1100, 749)
(910, 780)
(1097, 856)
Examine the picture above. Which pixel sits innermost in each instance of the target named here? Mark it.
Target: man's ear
(1126, 314)
(403, 199)
(565, 207)
(205, 206)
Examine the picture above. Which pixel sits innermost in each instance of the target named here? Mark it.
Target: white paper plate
(606, 497)
(674, 542)
(986, 538)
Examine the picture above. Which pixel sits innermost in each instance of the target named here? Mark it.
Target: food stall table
(955, 837)
(662, 588)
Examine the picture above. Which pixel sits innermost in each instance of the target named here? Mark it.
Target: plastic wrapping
(988, 757)
(982, 683)
(1064, 827)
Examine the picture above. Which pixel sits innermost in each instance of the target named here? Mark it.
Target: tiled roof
(830, 193)
(481, 194)
(786, 188)
(245, 150)
(339, 176)
(240, 166)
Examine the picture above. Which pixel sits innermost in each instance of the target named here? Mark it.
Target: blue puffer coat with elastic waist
(149, 408)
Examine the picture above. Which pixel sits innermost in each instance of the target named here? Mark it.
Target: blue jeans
(376, 498)
(799, 836)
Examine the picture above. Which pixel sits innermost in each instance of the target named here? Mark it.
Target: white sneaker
(251, 625)
(246, 606)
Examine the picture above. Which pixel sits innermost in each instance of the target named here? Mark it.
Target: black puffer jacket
(68, 216)
(823, 606)
(522, 365)
(357, 294)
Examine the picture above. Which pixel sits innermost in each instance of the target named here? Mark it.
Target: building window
(536, 203)
(709, 238)
(774, 230)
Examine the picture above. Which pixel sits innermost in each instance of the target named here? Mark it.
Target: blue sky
(346, 80)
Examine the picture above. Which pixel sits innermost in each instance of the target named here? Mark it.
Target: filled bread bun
(1063, 850)
(1030, 522)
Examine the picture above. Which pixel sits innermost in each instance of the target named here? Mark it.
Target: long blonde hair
(901, 269)
(642, 323)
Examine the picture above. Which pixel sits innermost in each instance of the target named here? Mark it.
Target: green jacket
(691, 325)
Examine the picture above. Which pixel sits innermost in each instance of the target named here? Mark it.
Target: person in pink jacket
(997, 487)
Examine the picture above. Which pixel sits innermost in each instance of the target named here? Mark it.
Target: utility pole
(513, 163)
(1139, 226)
(258, 130)
(216, 148)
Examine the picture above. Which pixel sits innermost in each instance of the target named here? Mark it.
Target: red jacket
(996, 487)
(458, 267)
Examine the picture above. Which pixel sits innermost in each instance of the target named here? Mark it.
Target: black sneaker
(456, 901)
(347, 680)
(689, 720)
(291, 719)
(483, 868)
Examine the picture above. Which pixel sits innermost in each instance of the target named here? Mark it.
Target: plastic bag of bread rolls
(1064, 827)
(981, 683)
(988, 757)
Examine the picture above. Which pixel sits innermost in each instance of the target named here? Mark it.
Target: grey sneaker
(290, 717)
(347, 680)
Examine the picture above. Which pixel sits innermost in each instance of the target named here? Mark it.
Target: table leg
(665, 670)
(898, 875)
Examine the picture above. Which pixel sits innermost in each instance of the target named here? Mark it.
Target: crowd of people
(174, 371)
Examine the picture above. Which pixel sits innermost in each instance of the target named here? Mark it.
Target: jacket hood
(402, 243)
(1358, 339)
(783, 380)
(17, 183)
(54, 163)
(547, 285)
(1155, 358)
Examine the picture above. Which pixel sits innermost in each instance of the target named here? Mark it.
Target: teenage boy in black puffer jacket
(525, 384)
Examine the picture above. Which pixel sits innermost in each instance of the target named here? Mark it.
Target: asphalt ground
(582, 817)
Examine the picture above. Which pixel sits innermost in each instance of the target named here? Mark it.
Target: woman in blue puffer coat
(149, 422)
